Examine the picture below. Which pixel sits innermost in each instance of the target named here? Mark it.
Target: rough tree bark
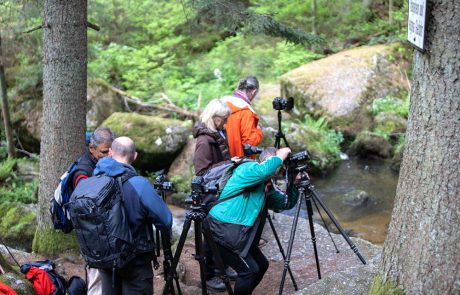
(5, 107)
(422, 249)
(64, 106)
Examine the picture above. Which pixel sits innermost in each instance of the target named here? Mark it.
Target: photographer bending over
(237, 223)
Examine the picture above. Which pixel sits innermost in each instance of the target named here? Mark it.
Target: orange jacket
(241, 126)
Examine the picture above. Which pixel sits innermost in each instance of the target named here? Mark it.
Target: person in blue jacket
(143, 207)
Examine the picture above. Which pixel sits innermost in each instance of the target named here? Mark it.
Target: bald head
(123, 150)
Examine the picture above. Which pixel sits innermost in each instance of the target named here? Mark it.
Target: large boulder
(182, 171)
(101, 103)
(341, 87)
(158, 140)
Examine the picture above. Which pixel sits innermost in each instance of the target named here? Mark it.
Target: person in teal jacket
(238, 222)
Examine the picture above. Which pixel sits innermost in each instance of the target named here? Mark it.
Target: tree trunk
(313, 16)
(64, 105)
(5, 107)
(422, 249)
(390, 12)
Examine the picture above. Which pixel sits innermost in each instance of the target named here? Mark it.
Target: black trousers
(133, 279)
(250, 269)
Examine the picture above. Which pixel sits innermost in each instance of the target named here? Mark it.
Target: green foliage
(379, 287)
(13, 188)
(390, 104)
(7, 169)
(323, 144)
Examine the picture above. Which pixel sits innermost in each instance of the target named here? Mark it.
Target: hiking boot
(216, 284)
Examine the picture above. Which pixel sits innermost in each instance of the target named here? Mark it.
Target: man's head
(100, 142)
(123, 150)
(250, 85)
(268, 152)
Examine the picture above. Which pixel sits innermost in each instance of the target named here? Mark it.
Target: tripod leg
(325, 225)
(270, 221)
(290, 244)
(312, 231)
(169, 278)
(337, 224)
(199, 255)
(157, 240)
(217, 257)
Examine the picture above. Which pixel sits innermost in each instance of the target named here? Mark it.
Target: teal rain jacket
(231, 221)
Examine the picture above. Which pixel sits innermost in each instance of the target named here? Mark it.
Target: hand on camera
(235, 159)
(283, 153)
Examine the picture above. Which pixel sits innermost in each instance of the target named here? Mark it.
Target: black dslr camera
(200, 190)
(280, 103)
(161, 183)
(298, 159)
(250, 150)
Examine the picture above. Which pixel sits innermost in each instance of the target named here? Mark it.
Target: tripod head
(199, 192)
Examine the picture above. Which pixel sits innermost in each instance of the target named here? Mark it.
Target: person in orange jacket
(242, 125)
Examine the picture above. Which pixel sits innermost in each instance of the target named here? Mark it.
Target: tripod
(280, 135)
(198, 216)
(308, 192)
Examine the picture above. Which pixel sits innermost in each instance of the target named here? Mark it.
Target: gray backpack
(98, 216)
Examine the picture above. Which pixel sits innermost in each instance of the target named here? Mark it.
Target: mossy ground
(50, 242)
(379, 287)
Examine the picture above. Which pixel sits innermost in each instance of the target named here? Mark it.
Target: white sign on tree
(416, 23)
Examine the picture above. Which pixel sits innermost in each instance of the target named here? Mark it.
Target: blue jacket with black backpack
(143, 206)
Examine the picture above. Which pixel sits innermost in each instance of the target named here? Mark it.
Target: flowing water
(370, 219)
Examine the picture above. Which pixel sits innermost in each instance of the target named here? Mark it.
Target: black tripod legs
(312, 231)
(201, 228)
(337, 225)
(270, 221)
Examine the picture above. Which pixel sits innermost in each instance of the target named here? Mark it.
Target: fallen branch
(170, 107)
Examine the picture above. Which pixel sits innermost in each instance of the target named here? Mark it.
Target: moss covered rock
(18, 224)
(371, 144)
(158, 140)
(18, 283)
(341, 87)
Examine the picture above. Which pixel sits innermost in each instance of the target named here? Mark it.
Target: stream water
(370, 219)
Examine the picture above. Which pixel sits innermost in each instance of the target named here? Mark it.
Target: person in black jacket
(143, 208)
(99, 144)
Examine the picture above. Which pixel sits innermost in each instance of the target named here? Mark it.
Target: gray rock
(342, 86)
(356, 198)
(342, 273)
(101, 103)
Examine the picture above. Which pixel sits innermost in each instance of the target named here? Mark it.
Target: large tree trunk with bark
(5, 107)
(422, 250)
(64, 106)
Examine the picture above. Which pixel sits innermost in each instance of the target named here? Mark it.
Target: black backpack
(218, 177)
(98, 215)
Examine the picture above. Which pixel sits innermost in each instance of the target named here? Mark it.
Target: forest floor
(343, 272)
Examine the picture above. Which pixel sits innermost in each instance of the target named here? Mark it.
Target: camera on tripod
(162, 183)
(199, 189)
(280, 103)
(250, 150)
(298, 159)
